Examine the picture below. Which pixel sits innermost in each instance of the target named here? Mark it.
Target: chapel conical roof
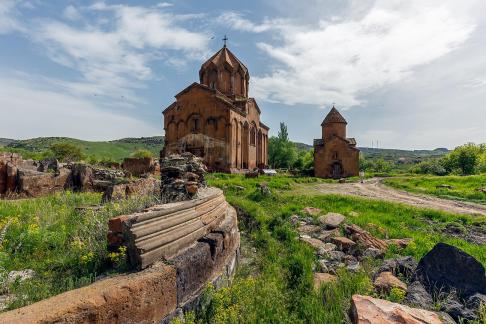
(334, 117)
(222, 57)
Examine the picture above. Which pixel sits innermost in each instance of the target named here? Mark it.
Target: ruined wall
(139, 166)
(8, 169)
(156, 294)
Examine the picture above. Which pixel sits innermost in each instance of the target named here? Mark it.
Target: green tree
(66, 152)
(281, 151)
(465, 158)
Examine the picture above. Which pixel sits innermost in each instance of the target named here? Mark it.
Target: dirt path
(375, 189)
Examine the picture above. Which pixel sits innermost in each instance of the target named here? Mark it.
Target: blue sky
(408, 74)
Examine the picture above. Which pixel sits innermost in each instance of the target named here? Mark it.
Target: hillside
(391, 155)
(113, 150)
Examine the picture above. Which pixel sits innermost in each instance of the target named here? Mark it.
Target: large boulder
(448, 268)
(367, 310)
(332, 220)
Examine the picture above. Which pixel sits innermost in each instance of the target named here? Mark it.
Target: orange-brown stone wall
(325, 157)
(226, 139)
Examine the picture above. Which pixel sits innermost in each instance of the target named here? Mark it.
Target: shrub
(142, 154)
(66, 152)
(434, 167)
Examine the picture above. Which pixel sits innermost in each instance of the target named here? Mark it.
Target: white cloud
(342, 60)
(237, 21)
(71, 13)
(8, 16)
(116, 45)
(32, 111)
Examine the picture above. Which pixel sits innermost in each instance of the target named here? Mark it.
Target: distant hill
(392, 155)
(5, 141)
(114, 150)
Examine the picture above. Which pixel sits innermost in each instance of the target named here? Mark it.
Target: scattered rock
(343, 243)
(418, 296)
(386, 281)
(366, 309)
(264, 189)
(311, 211)
(324, 266)
(332, 220)
(447, 267)
(327, 235)
(294, 219)
(252, 174)
(20, 276)
(457, 310)
(308, 229)
(315, 243)
(401, 243)
(354, 267)
(364, 238)
(321, 278)
(476, 300)
(325, 249)
(335, 255)
(373, 253)
(239, 188)
(342, 180)
(404, 266)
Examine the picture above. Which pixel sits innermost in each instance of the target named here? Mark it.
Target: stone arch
(259, 145)
(181, 129)
(171, 131)
(234, 143)
(194, 123)
(245, 145)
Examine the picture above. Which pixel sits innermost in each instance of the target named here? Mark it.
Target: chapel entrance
(337, 170)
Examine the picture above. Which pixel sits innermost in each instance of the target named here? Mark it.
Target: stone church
(335, 155)
(216, 120)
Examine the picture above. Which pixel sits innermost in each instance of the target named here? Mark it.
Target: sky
(405, 74)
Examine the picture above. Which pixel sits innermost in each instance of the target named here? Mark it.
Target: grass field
(108, 150)
(64, 246)
(67, 248)
(463, 187)
(282, 291)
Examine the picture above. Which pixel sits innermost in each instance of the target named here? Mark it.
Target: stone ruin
(30, 179)
(178, 247)
(181, 177)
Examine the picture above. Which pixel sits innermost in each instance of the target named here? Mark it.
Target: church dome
(226, 73)
(334, 117)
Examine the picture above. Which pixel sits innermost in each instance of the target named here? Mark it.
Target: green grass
(108, 150)
(280, 291)
(66, 248)
(463, 187)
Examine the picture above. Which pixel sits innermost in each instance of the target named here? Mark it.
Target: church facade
(335, 155)
(216, 120)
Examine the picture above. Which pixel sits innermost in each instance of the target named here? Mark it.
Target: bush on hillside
(466, 159)
(434, 167)
(65, 152)
(142, 154)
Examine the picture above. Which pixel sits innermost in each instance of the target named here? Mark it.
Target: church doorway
(337, 170)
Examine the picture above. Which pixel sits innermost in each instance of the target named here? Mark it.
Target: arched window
(194, 124)
(252, 136)
(335, 155)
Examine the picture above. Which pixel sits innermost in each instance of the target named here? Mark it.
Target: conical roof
(334, 117)
(224, 55)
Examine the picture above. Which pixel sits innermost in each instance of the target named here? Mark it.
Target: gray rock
(404, 266)
(324, 266)
(335, 255)
(417, 296)
(332, 220)
(373, 253)
(457, 310)
(353, 266)
(20, 276)
(325, 249)
(476, 300)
